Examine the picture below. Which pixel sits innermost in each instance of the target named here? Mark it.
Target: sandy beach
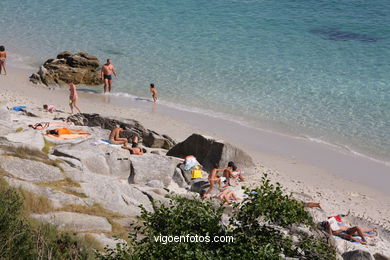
(339, 180)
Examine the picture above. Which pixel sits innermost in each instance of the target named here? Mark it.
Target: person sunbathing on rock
(44, 125)
(66, 131)
(335, 226)
(134, 149)
(115, 136)
(226, 196)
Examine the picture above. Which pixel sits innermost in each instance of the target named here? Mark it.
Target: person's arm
(5, 54)
(101, 74)
(114, 72)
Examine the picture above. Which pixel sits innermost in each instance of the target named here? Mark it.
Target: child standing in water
(3, 57)
(73, 97)
(154, 92)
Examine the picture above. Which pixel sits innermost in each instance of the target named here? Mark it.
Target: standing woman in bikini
(73, 97)
(3, 57)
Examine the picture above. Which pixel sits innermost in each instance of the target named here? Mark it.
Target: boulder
(75, 221)
(134, 128)
(357, 255)
(209, 151)
(81, 68)
(29, 170)
(102, 159)
(57, 199)
(379, 256)
(29, 138)
(116, 195)
(147, 167)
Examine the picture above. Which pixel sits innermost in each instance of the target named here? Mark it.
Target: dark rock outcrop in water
(149, 137)
(80, 67)
(337, 35)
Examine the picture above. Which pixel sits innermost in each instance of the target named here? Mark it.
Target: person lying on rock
(115, 136)
(335, 226)
(226, 196)
(44, 125)
(66, 131)
(134, 149)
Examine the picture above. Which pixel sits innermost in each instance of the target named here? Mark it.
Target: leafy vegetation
(22, 238)
(260, 227)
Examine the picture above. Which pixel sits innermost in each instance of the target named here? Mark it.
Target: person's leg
(241, 177)
(352, 238)
(5, 71)
(1, 66)
(211, 187)
(356, 229)
(75, 104)
(109, 85)
(71, 107)
(105, 85)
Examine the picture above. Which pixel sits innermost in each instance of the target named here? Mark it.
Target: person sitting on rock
(236, 174)
(213, 178)
(335, 226)
(227, 172)
(115, 136)
(134, 149)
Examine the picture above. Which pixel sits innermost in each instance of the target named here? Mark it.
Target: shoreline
(179, 111)
(340, 182)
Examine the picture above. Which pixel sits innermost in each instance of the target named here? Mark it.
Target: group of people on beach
(107, 71)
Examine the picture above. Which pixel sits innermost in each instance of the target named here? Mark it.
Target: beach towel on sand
(67, 136)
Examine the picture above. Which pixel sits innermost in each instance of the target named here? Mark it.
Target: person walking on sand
(153, 90)
(107, 70)
(73, 97)
(3, 57)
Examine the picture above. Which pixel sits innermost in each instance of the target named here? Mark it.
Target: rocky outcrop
(29, 170)
(357, 255)
(80, 67)
(209, 151)
(75, 221)
(150, 167)
(148, 137)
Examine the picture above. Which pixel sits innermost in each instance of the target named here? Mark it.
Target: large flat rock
(116, 195)
(30, 138)
(149, 167)
(101, 159)
(75, 221)
(30, 170)
(57, 198)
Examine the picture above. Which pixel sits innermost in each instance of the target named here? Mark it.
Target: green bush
(22, 238)
(256, 226)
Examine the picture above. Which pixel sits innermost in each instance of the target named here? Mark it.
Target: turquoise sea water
(316, 68)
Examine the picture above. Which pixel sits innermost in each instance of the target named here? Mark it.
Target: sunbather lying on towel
(227, 196)
(335, 226)
(44, 125)
(66, 131)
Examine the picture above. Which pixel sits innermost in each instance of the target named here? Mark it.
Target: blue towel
(18, 108)
(106, 141)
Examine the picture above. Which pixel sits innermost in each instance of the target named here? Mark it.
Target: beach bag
(196, 172)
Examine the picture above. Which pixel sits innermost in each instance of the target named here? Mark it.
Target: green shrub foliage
(22, 239)
(259, 227)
